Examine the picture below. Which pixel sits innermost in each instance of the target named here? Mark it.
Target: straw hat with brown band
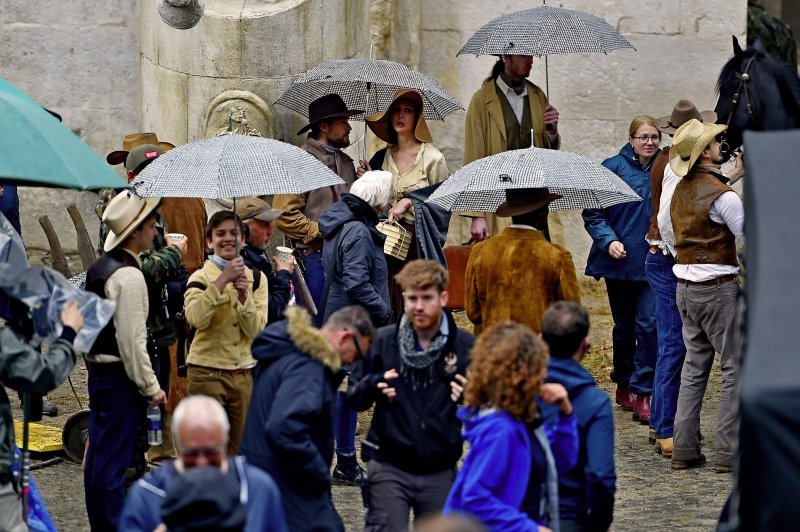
(379, 122)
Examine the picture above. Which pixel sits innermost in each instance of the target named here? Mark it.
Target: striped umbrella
(367, 84)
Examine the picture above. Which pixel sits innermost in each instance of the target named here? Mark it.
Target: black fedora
(328, 106)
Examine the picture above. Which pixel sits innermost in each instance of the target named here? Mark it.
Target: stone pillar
(255, 47)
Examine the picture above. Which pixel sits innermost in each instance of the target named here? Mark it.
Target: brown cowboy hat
(132, 141)
(328, 106)
(683, 111)
(689, 142)
(379, 122)
(521, 200)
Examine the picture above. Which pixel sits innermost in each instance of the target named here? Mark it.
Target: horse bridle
(744, 78)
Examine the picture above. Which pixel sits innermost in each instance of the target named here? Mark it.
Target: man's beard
(339, 144)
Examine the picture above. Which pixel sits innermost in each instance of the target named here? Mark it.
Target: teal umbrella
(38, 150)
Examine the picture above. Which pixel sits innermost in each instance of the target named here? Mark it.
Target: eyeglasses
(646, 139)
(208, 452)
(359, 352)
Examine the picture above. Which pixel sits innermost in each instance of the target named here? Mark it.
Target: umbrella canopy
(233, 166)
(367, 84)
(482, 184)
(544, 31)
(38, 150)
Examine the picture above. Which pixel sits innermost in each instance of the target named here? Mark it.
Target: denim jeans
(671, 349)
(345, 426)
(634, 336)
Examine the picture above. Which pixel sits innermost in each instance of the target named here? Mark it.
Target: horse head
(756, 91)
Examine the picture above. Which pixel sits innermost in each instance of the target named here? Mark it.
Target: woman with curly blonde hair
(513, 457)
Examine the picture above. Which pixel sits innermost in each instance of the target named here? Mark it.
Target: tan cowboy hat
(683, 111)
(379, 122)
(689, 142)
(521, 200)
(124, 214)
(133, 140)
(255, 207)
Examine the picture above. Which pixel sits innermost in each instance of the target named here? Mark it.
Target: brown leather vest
(698, 239)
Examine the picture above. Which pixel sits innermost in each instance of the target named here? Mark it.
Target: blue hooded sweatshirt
(626, 222)
(586, 492)
(492, 482)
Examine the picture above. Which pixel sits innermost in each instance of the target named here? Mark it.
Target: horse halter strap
(744, 78)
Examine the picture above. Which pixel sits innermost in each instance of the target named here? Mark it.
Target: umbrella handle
(235, 228)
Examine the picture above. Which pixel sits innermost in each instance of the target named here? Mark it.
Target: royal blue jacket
(586, 492)
(492, 482)
(626, 222)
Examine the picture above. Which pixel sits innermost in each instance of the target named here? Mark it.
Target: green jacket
(25, 369)
(160, 264)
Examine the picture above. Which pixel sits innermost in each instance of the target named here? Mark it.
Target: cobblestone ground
(650, 496)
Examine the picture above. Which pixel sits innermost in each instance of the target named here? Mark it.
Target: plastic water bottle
(154, 436)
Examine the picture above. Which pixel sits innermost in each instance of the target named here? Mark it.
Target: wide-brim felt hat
(254, 207)
(181, 14)
(132, 141)
(124, 214)
(689, 142)
(524, 200)
(379, 122)
(327, 107)
(683, 111)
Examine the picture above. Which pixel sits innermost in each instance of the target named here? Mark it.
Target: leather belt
(711, 282)
(237, 371)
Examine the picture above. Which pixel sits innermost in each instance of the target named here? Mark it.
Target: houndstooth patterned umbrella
(544, 31)
(233, 166)
(367, 84)
(482, 184)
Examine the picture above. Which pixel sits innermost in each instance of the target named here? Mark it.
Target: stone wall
(680, 47)
(114, 67)
(78, 58)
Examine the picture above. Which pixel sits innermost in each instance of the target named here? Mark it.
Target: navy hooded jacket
(352, 255)
(289, 430)
(626, 222)
(586, 492)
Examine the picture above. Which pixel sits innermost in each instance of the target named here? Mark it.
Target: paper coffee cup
(176, 237)
(283, 254)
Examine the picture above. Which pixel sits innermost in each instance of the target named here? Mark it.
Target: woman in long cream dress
(413, 162)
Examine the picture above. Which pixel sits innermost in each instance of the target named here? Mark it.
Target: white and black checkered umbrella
(368, 84)
(233, 166)
(545, 31)
(482, 184)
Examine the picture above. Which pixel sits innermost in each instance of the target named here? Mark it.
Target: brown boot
(664, 446)
(686, 464)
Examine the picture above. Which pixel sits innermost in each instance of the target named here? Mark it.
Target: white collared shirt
(517, 101)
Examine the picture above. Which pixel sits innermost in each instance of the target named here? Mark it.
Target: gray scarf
(417, 367)
(218, 261)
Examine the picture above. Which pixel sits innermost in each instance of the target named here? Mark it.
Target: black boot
(347, 471)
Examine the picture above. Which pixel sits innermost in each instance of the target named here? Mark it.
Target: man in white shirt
(121, 379)
(707, 218)
(507, 113)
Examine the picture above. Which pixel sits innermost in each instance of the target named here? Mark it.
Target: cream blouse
(429, 168)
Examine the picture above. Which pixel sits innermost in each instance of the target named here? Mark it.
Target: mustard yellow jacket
(485, 135)
(225, 326)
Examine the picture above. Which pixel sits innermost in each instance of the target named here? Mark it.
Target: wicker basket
(398, 239)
